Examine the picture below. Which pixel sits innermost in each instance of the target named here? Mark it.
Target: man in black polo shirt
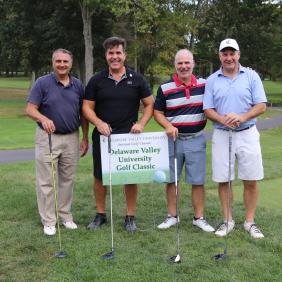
(55, 103)
(111, 103)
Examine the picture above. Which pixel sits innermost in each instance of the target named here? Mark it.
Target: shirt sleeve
(208, 102)
(36, 94)
(160, 102)
(89, 93)
(258, 93)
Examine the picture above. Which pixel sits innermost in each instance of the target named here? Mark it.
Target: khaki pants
(65, 156)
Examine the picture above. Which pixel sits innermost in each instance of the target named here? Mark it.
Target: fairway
(270, 194)
(27, 255)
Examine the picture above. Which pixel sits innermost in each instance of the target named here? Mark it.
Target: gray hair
(61, 50)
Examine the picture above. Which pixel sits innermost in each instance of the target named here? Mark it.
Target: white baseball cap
(229, 43)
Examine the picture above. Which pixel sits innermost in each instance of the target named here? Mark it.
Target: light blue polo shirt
(236, 95)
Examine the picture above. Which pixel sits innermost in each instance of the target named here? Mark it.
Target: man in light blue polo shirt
(234, 97)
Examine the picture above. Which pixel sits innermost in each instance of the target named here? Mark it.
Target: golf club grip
(109, 144)
(50, 143)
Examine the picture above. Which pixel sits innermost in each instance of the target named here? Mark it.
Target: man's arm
(233, 120)
(84, 142)
(225, 120)
(254, 112)
(32, 112)
(88, 109)
(162, 121)
(148, 104)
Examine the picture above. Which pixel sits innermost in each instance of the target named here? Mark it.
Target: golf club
(111, 254)
(60, 253)
(176, 259)
(223, 255)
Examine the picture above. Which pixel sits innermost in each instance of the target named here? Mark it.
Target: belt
(238, 130)
(185, 136)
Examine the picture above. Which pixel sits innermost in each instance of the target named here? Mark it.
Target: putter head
(108, 256)
(60, 254)
(175, 259)
(219, 257)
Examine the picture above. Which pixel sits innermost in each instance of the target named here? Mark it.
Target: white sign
(135, 158)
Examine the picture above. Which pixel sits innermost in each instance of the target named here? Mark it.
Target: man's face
(229, 59)
(62, 63)
(184, 65)
(115, 58)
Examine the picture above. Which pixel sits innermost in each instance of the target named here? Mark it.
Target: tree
(155, 30)
(254, 39)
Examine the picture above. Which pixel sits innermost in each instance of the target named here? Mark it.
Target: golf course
(27, 255)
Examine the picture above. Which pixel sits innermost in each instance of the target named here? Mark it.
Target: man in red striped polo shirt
(179, 110)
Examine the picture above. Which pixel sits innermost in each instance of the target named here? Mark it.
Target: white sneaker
(49, 230)
(203, 224)
(253, 230)
(168, 222)
(223, 230)
(70, 225)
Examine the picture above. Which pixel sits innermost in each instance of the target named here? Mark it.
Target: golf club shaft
(229, 186)
(110, 183)
(177, 196)
(54, 189)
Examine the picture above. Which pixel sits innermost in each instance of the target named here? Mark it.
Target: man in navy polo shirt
(55, 103)
(111, 103)
(234, 97)
(179, 110)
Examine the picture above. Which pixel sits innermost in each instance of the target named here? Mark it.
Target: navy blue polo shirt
(117, 103)
(62, 104)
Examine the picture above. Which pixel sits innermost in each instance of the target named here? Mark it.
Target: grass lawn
(15, 82)
(273, 90)
(26, 254)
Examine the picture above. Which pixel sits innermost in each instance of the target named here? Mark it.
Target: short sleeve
(89, 93)
(160, 102)
(36, 93)
(208, 102)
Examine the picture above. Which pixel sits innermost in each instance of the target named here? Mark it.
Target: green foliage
(255, 40)
(155, 30)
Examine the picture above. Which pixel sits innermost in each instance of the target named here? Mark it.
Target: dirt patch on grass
(13, 94)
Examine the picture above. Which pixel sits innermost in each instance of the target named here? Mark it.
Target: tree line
(155, 29)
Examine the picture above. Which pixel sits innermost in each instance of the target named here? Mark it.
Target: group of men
(232, 98)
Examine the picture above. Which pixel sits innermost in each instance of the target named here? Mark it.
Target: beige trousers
(65, 149)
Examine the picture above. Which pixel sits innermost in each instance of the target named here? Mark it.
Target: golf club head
(108, 256)
(175, 259)
(60, 254)
(219, 257)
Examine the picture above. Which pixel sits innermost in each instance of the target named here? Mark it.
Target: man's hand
(137, 128)
(232, 120)
(104, 128)
(48, 126)
(172, 131)
(83, 147)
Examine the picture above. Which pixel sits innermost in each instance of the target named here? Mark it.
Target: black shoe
(129, 223)
(97, 222)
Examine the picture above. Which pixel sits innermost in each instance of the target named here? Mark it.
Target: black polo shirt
(117, 103)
